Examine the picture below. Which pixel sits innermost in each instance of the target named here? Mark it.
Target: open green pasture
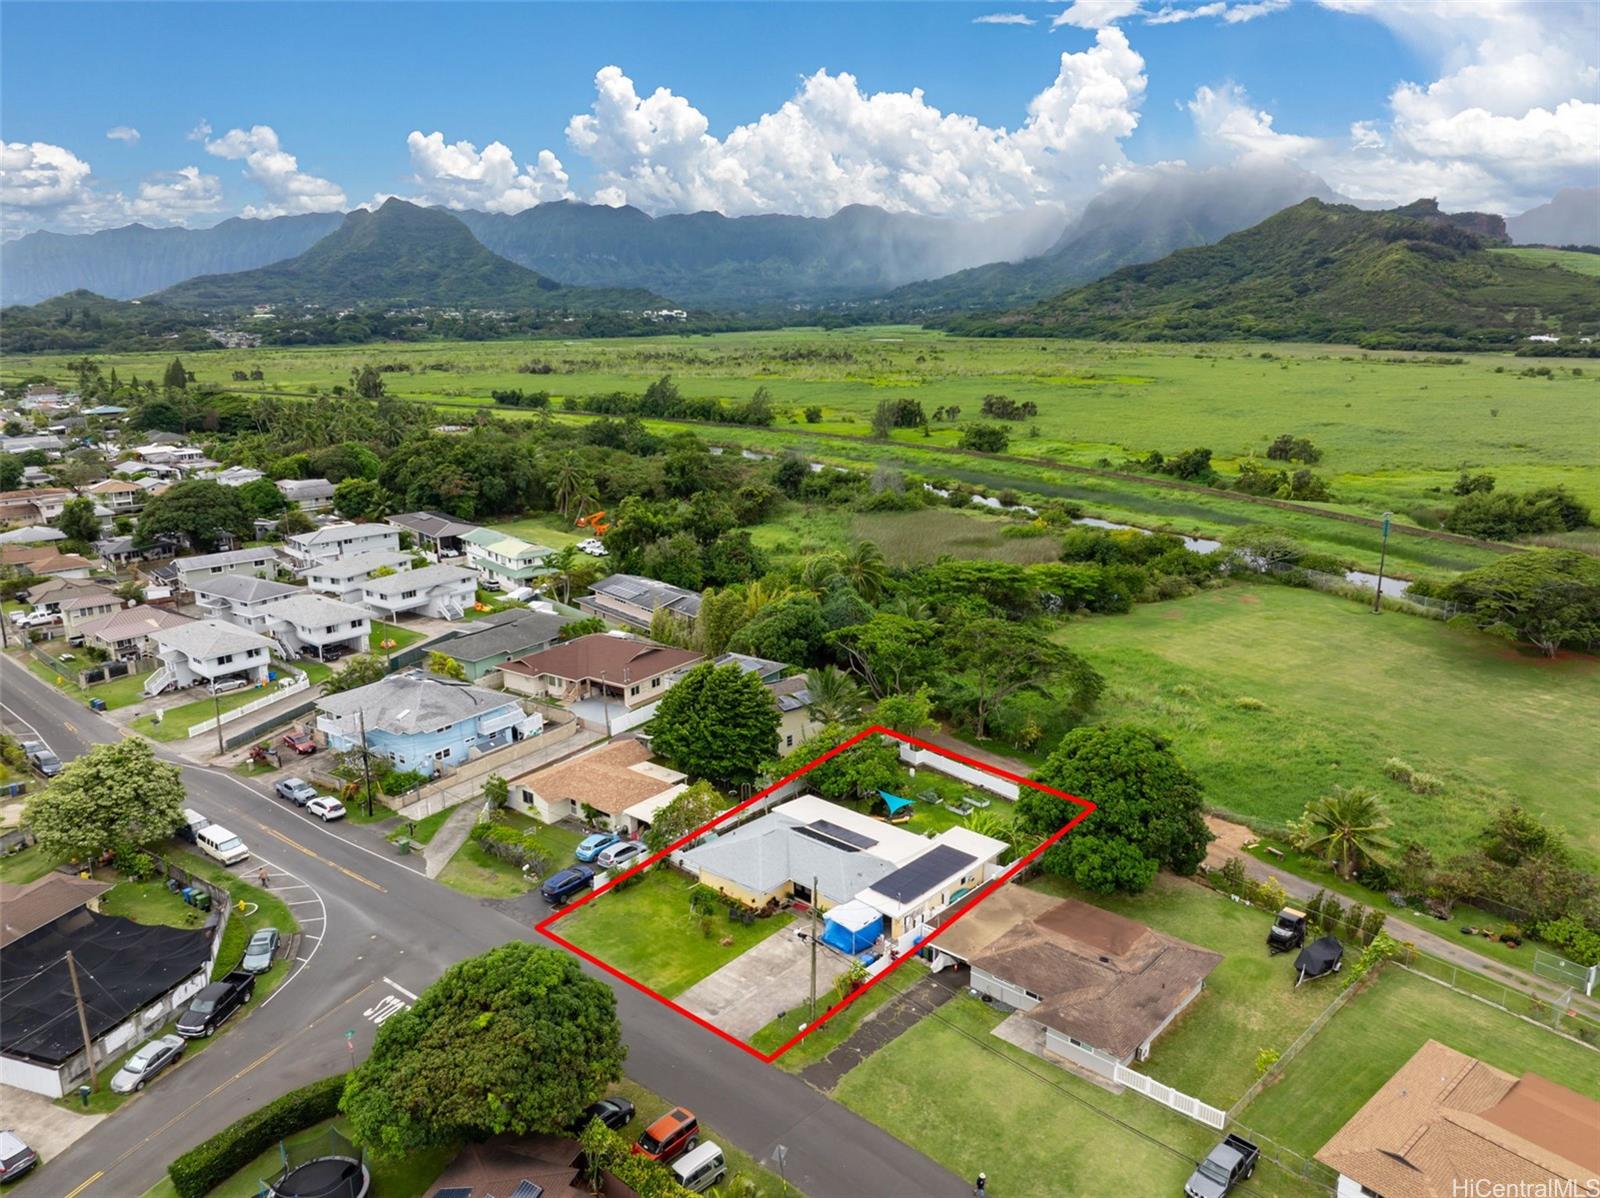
(1583, 264)
(1343, 691)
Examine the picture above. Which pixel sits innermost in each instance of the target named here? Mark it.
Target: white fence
(276, 695)
(1183, 1103)
(993, 783)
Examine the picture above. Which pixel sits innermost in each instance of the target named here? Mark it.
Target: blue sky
(337, 89)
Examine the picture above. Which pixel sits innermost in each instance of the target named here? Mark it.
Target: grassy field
(648, 932)
(473, 871)
(119, 692)
(176, 721)
(383, 633)
(1249, 1001)
(1583, 264)
(1344, 691)
(26, 866)
(1395, 429)
(971, 1101)
(1379, 1031)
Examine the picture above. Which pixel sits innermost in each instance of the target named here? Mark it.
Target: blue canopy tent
(895, 803)
(852, 927)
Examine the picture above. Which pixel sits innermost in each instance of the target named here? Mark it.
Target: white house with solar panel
(871, 879)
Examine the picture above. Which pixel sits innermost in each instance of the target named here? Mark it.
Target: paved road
(386, 932)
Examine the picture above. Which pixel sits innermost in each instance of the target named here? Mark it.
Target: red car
(669, 1137)
(300, 742)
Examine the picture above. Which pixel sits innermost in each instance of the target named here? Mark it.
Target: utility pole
(366, 759)
(813, 949)
(1383, 554)
(83, 1019)
(216, 708)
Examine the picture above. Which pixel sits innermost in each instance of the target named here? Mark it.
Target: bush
(1266, 1059)
(401, 782)
(202, 1169)
(507, 844)
(1577, 943)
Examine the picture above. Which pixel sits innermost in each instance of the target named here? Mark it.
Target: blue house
(424, 723)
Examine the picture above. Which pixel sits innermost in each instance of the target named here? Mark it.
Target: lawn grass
(270, 912)
(1382, 1028)
(549, 529)
(838, 1029)
(472, 871)
(647, 931)
(28, 865)
(1344, 691)
(973, 1102)
(423, 831)
(402, 637)
(176, 721)
(316, 672)
(150, 903)
(1249, 1001)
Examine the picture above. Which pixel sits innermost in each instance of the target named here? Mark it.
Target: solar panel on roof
(527, 1189)
(455, 1192)
(916, 878)
(831, 833)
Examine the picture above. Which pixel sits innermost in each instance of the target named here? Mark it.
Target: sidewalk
(878, 1029)
(448, 840)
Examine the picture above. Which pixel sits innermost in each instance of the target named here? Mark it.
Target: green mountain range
(1412, 276)
(399, 256)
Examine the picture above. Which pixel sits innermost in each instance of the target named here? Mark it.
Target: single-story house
(342, 577)
(88, 603)
(443, 592)
(612, 780)
(307, 494)
(207, 652)
(421, 722)
(261, 560)
(434, 531)
(143, 975)
(504, 559)
(630, 670)
(32, 534)
(240, 599)
(1446, 1123)
(46, 443)
(498, 638)
(814, 851)
(44, 561)
(123, 551)
(126, 634)
(633, 599)
(307, 549)
(1098, 987)
(309, 625)
(118, 495)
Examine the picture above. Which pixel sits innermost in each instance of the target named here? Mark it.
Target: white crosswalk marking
(388, 1005)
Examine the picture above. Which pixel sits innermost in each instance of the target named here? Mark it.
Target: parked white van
(216, 841)
(701, 1168)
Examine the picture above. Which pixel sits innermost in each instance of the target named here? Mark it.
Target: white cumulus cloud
(1095, 14)
(1231, 14)
(833, 144)
(1004, 18)
(38, 175)
(277, 172)
(174, 197)
(458, 175)
(43, 185)
(125, 133)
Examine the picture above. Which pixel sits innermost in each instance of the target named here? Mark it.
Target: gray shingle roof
(358, 564)
(233, 557)
(410, 702)
(305, 488)
(521, 633)
(314, 611)
(416, 580)
(243, 588)
(648, 593)
(209, 638)
(333, 533)
(433, 524)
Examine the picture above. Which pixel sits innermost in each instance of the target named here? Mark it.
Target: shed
(852, 927)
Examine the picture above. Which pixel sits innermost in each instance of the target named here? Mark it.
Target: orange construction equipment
(595, 522)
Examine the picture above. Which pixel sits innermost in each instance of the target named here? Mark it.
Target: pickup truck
(209, 1009)
(1229, 1163)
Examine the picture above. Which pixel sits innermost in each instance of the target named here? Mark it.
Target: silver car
(142, 1067)
(259, 952)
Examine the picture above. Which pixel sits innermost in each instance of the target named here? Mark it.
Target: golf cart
(1319, 959)
(1287, 931)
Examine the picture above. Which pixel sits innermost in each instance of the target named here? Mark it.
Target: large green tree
(200, 509)
(516, 1041)
(790, 631)
(360, 670)
(891, 653)
(1150, 809)
(691, 808)
(262, 499)
(78, 520)
(1347, 828)
(717, 722)
(1549, 598)
(996, 659)
(115, 798)
(834, 697)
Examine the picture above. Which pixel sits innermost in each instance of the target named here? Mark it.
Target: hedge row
(202, 1169)
(508, 844)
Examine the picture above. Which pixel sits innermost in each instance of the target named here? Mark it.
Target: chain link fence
(1559, 1014)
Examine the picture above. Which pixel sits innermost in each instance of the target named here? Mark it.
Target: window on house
(1036, 998)
(442, 755)
(788, 741)
(224, 659)
(654, 682)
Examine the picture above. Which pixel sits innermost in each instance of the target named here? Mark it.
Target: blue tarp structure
(852, 927)
(895, 802)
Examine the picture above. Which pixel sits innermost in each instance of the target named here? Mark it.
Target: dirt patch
(1230, 841)
(1249, 598)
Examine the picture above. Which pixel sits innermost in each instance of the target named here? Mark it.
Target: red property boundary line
(543, 927)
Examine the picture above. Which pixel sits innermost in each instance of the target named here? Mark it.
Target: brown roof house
(608, 680)
(1096, 988)
(1447, 1124)
(125, 634)
(618, 780)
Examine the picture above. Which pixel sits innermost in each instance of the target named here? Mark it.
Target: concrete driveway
(43, 1126)
(752, 990)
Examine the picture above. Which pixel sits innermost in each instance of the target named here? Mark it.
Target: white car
(594, 547)
(623, 853)
(142, 1067)
(33, 619)
(325, 808)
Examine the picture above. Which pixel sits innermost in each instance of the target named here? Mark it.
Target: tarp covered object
(852, 927)
(1319, 957)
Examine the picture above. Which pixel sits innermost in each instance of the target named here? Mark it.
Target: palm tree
(818, 571)
(908, 606)
(760, 594)
(568, 481)
(835, 696)
(866, 570)
(1347, 827)
(1001, 826)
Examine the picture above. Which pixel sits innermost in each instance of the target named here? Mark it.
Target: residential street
(387, 932)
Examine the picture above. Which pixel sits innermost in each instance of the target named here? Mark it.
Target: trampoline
(325, 1177)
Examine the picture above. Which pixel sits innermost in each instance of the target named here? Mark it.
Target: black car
(212, 1006)
(559, 887)
(615, 1113)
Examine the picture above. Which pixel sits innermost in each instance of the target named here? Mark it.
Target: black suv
(559, 887)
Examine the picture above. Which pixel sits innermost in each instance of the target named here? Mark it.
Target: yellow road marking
(316, 856)
(94, 1178)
